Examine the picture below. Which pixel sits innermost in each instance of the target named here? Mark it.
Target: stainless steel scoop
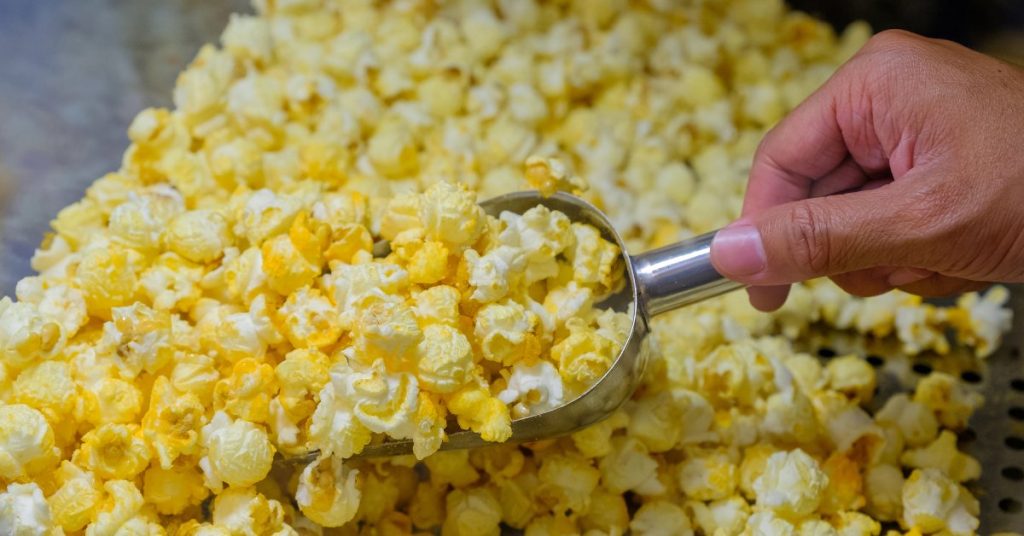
(655, 282)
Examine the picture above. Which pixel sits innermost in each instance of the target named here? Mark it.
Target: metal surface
(679, 274)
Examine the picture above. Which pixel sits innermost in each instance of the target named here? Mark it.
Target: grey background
(72, 76)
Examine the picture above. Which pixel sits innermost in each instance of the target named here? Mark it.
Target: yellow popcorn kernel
(594, 259)
(845, 484)
(25, 334)
(172, 283)
(445, 359)
(301, 376)
(324, 161)
(140, 222)
(852, 376)
(505, 333)
(608, 513)
(400, 214)
(437, 305)
(755, 458)
(113, 451)
(386, 401)
(238, 452)
(427, 262)
(116, 401)
(198, 235)
(430, 422)
(308, 319)
(666, 419)
(789, 416)
(549, 175)
(659, 518)
(340, 209)
(493, 275)
(264, 215)
(933, 502)
(380, 493)
(584, 356)
(78, 223)
(47, 387)
(427, 506)
(141, 338)
(173, 422)
(328, 493)
(883, 486)
(981, 321)
(473, 511)
(533, 389)
(387, 329)
(451, 467)
(708, 475)
(108, 278)
(286, 268)
(334, 428)
(449, 214)
(241, 510)
(477, 410)
(629, 467)
(247, 37)
(952, 402)
(195, 373)
(792, 484)
(247, 392)
(393, 150)
(26, 442)
(121, 510)
(569, 481)
(173, 489)
(442, 94)
(24, 511)
(942, 454)
(594, 441)
(916, 422)
(74, 504)
(347, 241)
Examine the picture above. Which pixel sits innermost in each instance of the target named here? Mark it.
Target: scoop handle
(679, 274)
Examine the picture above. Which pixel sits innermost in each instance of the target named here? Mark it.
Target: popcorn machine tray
(75, 73)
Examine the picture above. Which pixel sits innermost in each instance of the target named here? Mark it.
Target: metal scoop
(655, 282)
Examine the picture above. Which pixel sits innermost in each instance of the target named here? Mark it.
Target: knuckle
(809, 239)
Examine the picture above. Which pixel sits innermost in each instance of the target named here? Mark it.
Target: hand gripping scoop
(655, 282)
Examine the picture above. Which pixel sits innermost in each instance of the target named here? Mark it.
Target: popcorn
(792, 484)
(113, 451)
(533, 389)
(26, 442)
(328, 493)
(660, 518)
(474, 512)
(932, 503)
(24, 512)
(227, 292)
(238, 452)
(943, 455)
(73, 504)
(445, 360)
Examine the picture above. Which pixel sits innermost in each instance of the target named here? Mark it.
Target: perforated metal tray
(72, 75)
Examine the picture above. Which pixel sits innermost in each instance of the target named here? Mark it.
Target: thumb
(818, 237)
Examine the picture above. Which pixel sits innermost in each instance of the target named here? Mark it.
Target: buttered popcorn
(224, 296)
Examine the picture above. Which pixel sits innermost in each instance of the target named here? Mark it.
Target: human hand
(904, 170)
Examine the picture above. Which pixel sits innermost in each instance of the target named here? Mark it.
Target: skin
(904, 170)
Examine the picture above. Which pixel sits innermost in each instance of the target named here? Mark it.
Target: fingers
(938, 285)
(768, 298)
(818, 237)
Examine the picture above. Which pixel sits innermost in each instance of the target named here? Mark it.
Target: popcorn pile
(216, 300)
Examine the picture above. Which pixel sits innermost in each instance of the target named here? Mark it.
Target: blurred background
(74, 73)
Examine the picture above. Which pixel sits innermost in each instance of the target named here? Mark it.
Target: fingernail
(738, 251)
(906, 276)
